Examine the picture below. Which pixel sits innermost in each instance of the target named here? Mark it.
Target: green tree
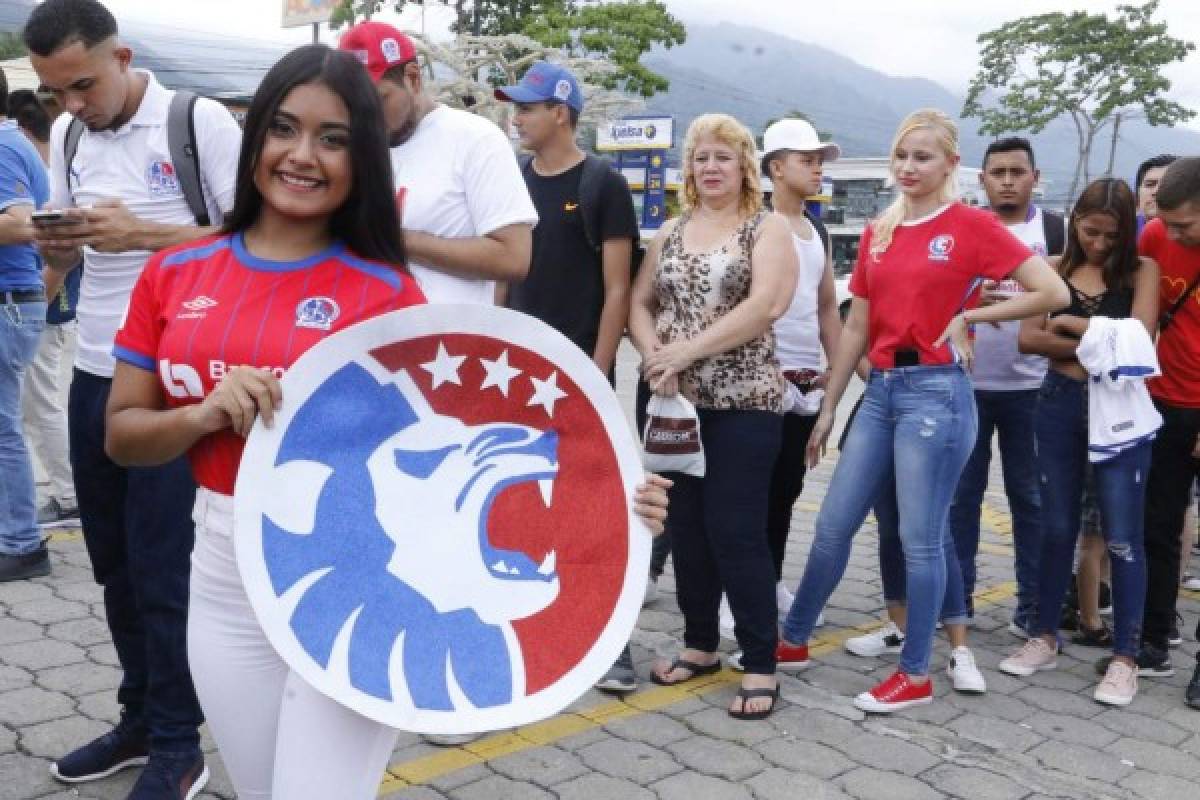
(1094, 69)
(11, 46)
(620, 32)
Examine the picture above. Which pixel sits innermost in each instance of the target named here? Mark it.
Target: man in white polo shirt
(1006, 386)
(122, 199)
(467, 217)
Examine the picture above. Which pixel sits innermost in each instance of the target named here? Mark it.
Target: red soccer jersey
(931, 269)
(205, 306)
(1179, 344)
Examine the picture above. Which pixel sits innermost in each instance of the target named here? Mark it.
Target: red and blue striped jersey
(200, 308)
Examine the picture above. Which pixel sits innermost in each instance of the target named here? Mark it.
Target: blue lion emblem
(397, 577)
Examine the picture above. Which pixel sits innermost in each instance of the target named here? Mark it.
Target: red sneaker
(791, 656)
(895, 694)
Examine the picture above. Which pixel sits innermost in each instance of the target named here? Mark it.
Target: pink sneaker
(1034, 655)
(1119, 685)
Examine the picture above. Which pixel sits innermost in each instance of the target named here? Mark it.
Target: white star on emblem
(546, 393)
(499, 373)
(444, 368)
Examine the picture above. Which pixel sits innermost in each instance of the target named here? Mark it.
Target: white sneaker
(964, 675)
(725, 620)
(1119, 685)
(888, 639)
(1034, 655)
(820, 623)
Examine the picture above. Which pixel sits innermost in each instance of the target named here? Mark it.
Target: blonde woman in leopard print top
(713, 283)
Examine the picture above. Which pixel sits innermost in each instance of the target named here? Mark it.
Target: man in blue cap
(584, 242)
(579, 276)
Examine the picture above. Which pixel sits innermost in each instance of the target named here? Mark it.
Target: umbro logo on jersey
(180, 380)
(199, 303)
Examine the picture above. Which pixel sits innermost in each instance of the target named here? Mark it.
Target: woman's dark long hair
(367, 221)
(1110, 196)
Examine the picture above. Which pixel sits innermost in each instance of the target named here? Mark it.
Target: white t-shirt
(999, 366)
(797, 332)
(133, 165)
(458, 177)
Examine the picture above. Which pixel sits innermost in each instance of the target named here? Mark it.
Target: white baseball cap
(799, 135)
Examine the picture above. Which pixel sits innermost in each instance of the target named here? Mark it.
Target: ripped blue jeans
(916, 427)
(1061, 430)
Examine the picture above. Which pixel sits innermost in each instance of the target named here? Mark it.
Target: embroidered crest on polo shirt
(940, 247)
(317, 312)
(161, 178)
(562, 89)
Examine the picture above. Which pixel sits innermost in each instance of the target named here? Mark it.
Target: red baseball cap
(378, 46)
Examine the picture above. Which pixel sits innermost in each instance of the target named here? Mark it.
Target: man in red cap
(467, 216)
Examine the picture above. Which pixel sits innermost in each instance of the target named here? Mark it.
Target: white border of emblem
(257, 490)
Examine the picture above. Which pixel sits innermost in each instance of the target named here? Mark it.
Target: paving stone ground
(1042, 737)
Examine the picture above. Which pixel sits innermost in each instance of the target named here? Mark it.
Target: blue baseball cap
(544, 82)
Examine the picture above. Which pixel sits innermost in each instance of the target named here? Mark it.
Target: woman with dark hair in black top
(1106, 277)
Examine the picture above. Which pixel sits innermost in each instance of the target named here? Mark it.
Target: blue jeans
(1011, 416)
(1062, 440)
(916, 426)
(21, 326)
(719, 536)
(892, 565)
(137, 526)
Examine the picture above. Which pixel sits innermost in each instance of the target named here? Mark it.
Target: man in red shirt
(1173, 240)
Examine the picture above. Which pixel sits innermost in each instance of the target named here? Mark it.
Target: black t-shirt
(565, 284)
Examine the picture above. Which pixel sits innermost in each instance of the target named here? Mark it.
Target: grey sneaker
(56, 515)
(620, 677)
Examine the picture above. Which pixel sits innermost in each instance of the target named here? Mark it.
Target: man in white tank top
(794, 156)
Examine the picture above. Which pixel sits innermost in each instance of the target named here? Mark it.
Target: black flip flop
(682, 663)
(747, 694)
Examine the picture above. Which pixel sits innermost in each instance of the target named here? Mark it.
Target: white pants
(278, 737)
(45, 419)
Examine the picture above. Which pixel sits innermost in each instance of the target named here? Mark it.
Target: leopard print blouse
(694, 290)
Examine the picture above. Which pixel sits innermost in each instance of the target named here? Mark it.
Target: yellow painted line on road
(427, 768)
(65, 535)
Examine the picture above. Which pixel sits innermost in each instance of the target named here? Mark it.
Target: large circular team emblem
(437, 532)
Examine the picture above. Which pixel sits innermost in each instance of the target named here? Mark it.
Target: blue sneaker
(124, 746)
(171, 777)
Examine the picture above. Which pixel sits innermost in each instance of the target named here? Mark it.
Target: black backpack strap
(591, 196)
(185, 155)
(1054, 228)
(71, 145)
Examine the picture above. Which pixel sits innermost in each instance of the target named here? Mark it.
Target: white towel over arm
(1119, 356)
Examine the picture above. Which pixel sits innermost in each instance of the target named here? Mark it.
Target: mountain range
(757, 75)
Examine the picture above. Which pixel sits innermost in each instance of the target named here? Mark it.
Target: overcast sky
(933, 39)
